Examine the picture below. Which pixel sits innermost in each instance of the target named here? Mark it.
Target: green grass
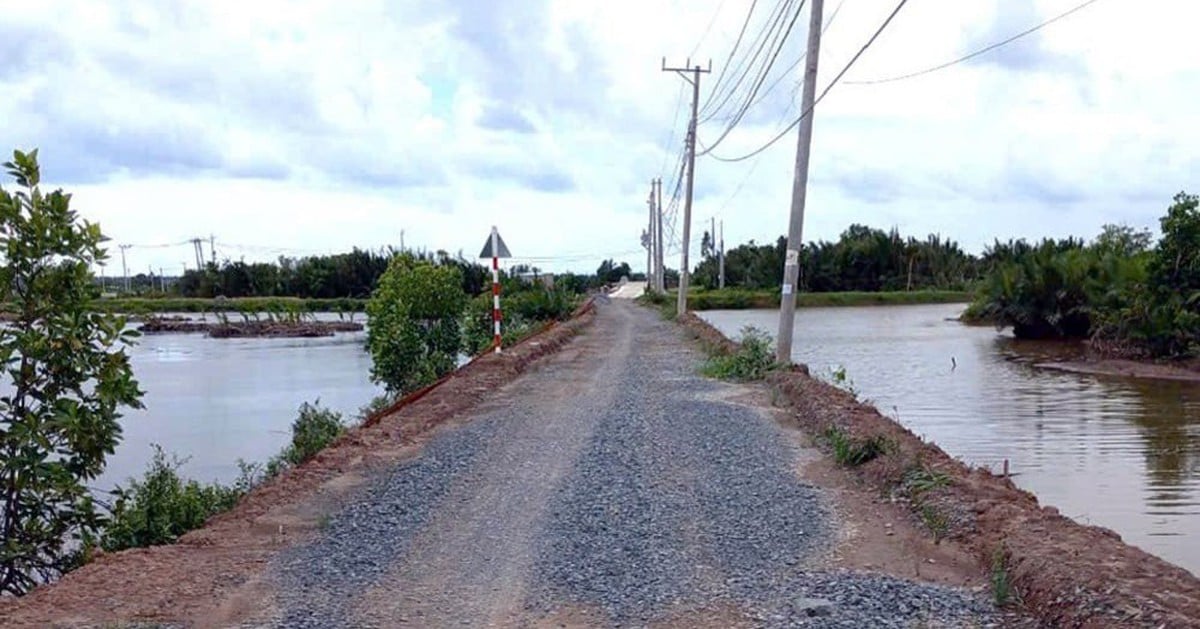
(740, 299)
(753, 360)
(851, 452)
(139, 305)
(920, 479)
(1002, 590)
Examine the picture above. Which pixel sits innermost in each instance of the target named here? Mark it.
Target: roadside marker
(495, 249)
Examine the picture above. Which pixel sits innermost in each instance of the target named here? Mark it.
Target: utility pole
(162, 281)
(791, 264)
(721, 258)
(681, 303)
(125, 269)
(651, 246)
(660, 276)
(199, 251)
(212, 249)
(402, 241)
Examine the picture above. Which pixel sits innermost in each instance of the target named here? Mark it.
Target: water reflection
(218, 400)
(1113, 451)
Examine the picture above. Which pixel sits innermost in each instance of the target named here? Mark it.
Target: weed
(920, 479)
(841, 380)
(753, 360)
(935, 521)
(377, 403)
(1002, 591)
(851, 452)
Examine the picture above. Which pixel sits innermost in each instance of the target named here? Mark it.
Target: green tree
(414, 319)
(69, 377)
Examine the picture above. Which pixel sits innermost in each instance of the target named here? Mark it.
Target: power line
(671, 137)
(832, 83)
(754, 166)
(981, 51)
(775, 21)
(786, 73)
(708, 28)
(766, 71)
(732, 51)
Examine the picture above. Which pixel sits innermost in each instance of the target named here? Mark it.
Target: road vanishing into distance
(610, 486)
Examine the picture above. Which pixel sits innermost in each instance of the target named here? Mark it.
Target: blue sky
(307, 127)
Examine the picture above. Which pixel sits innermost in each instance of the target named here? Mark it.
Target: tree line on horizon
(862, 259)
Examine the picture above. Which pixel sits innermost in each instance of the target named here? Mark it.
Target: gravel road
(611, 486)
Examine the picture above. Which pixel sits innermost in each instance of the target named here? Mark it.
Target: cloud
(504, 118)
(445, 118)
(1031, 53)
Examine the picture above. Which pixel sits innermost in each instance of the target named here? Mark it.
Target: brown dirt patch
(1065, 573)
(212, 576)
(1184, 372)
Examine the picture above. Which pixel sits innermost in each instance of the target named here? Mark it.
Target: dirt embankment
(214, 575)
(1065, 573)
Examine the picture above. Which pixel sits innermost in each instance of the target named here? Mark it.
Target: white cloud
(317, 126)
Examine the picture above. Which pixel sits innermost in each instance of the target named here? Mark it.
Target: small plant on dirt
(851, 452)
(161, 506)
(1002, 591)
(842, 380)
(753, 360)
(314, 429)
(935, 521)
(920, 479)
(377, 403)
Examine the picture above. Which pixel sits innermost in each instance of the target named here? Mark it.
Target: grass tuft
(753, 360)
(852, 452)
(1002, 590)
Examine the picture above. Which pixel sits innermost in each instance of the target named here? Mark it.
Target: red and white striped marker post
(495, 249)
(495, 295)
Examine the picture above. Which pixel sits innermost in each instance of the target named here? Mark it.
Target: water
(218, 400)
(1118, 452)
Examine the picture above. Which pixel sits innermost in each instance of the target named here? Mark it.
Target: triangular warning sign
(500, 246)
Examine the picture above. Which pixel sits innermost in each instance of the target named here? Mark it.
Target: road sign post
(495, 249)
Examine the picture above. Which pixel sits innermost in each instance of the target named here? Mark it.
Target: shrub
(753, 360)
(314, 429)
(414, 320)
(850, 451)
(68, 378)
(161, 506)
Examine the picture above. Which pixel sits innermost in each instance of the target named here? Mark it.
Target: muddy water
(218, 400)
(1117, 452)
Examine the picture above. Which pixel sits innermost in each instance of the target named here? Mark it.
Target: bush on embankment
(753, 358)
(161, 506)
(525, 308)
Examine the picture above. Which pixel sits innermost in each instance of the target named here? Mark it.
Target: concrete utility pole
(681, 303)
(791, 264)
(199, 251)
(652, 248)
(721, 259)
(125, 269)
(212, 249)
(660, 277)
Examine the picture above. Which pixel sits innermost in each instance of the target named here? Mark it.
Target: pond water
(1117, 452)
(218, 400)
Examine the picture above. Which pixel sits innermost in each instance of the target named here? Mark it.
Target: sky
(297, 128)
